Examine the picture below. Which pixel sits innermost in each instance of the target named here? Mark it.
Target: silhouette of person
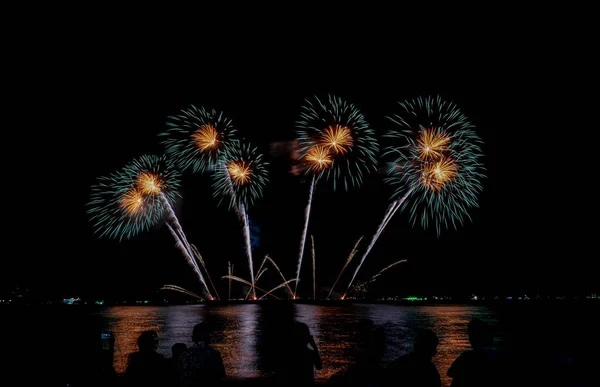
(301, 360)
(173, 362)
(416, 368)
(146, 367)
(201, 364)
(476, 367)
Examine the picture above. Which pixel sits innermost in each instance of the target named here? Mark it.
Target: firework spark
(304, 231)
(180, 290)
(435, 156)
(240, 176)
(431, 144)
(120, 206)
(136, 198)
(133, 201)
(196, 138)
(318, 159)
(199, 258)
(352, 254)
(374, 278)
(337, 142)
(286, 283)
(232, 277)
(337, 139)
(339, 128)
(314, 268)
(280, 273)
(435, 152)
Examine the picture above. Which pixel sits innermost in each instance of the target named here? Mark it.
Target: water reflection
(249, 336)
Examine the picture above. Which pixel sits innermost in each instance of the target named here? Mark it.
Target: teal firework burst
(336, 141)
(240, 175)
(195, 138)
(133, 199)
(435, 159)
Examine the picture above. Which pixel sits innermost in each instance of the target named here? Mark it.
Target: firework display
(336, 141)
(126, 203)
(435, 154)
(196, 138)
(434, 165)
(240, 176)
(432, 158)
(137, 197)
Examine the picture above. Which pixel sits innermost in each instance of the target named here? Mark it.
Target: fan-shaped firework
(196, 138)
(339, 128)
(240, 175)
(434, 166)
(126, 202)
(435, 155)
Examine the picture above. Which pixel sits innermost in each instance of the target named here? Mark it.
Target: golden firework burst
(436, 174)
(240, 172)
(149, 184)
(132, 201)
(337, 138)
(432, 143)
(206, 137)
(319, 158)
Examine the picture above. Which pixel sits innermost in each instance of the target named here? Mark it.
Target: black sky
(82, 107)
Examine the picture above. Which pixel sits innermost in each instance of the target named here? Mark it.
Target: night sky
(78, 112)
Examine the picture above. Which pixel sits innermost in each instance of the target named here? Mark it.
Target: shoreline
(546, 301)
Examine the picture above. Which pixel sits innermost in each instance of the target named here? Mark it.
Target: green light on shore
(413, 298)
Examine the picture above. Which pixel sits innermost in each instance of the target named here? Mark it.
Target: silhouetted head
(177, 349)
(200, 333)
(426, 343)
(480, 334)
(300, 333)
(148, 341)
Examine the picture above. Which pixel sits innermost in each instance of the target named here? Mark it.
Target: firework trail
(241, 176)
(246, 230)
(196, 138)
(181, 290)
(336, 142)
(259, 273)
(136, 198)
(352, 254)
(281, 274)
(388, 215)
(199, 258)
(374, 278)
(277, 287)
(245, 282)
(179, 236)
(229, 273)
(435, 152)
(313, 267)
(435, 156)
(304, 231)
(181, 246)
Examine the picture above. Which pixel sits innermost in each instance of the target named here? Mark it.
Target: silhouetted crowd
(296, 356)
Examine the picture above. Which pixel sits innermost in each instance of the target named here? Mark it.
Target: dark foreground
(552, 344)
